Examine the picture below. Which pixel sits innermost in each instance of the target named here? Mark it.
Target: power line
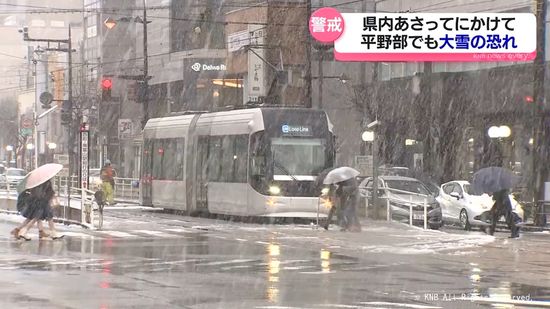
(12, 56)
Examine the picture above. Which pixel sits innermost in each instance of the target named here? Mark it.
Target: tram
(247, 162)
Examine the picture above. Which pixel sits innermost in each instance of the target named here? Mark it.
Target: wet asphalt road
(148, 259)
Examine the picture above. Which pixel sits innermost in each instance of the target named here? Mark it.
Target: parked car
(402, 192)
(13, 176)
(460, 205)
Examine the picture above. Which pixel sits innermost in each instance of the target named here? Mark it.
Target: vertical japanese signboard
(84, 156)
(256, 66)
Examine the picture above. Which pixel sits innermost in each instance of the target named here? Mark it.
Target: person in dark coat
(348, 198)
(334, 209)
(22, 205)
(503, 207)
(39, 208)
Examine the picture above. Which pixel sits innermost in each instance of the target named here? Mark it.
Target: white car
(13, 176)
(95, 179)
(460, 205)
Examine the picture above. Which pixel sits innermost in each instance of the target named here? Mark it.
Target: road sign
(62, 159)
(26, 131)
(125, 128)
(46, 98)
(26, 123)
(364, 165)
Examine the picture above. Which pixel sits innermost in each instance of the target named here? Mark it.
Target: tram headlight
(275, 190)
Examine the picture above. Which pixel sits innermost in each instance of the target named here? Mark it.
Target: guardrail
(126, 189)
(409, 202)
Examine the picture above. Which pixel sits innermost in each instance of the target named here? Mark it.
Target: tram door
(202, 173)
(146, 183)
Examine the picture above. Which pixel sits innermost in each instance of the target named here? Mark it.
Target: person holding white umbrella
(347, 196)
(40, 199)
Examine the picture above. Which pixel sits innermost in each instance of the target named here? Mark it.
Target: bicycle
(99, 198)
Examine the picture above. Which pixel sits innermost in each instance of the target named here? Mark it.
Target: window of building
(57, 23)
(38, 23)
(192, 25)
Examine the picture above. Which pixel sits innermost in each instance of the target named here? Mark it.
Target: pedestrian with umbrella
(327, 191)
(38, 187)
(498, 181)
(346, 196)
(22, 204)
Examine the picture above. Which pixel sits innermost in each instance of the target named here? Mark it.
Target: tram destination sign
(296, 130)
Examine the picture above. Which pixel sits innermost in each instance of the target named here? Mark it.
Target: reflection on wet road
(208, 266)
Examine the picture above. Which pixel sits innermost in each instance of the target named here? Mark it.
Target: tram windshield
(297, 158)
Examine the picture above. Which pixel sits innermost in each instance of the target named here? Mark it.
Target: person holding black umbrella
(503, 207)
(498, 181)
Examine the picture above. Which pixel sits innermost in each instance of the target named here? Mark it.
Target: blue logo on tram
(285, 128)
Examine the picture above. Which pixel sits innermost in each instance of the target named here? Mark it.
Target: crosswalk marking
(117, 234)
(76, 234)
(155, 233)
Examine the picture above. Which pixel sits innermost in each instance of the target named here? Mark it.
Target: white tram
(247, 162)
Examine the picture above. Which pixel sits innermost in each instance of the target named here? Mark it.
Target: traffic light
(106, 86)
(66, 113)
(141, 93)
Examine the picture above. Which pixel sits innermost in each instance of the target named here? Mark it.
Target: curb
(56, 220)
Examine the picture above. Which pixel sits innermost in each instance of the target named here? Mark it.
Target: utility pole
(68, 50)
(539, 171)
(309, 99)
(145, 69)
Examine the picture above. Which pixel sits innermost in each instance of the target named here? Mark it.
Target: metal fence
(126, 189)
(412, 204)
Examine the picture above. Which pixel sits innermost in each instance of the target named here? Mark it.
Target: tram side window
(146, 166)
(158, 155)
(214, 158)
(240, 158)
(227, 159)
(172, 164)
(168, 159)
(227, 162)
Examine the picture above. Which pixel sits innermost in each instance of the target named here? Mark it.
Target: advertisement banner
(125, 129)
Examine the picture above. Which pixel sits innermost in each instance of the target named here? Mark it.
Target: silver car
(402, 193)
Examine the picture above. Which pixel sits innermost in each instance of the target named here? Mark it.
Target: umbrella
(493, 179)
(340, 174)
(39, 176)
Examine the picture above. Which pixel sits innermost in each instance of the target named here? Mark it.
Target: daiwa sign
(197, 67)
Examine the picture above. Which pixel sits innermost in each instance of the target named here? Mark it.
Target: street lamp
(370, 136)
(499, 132)
(38, 52)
